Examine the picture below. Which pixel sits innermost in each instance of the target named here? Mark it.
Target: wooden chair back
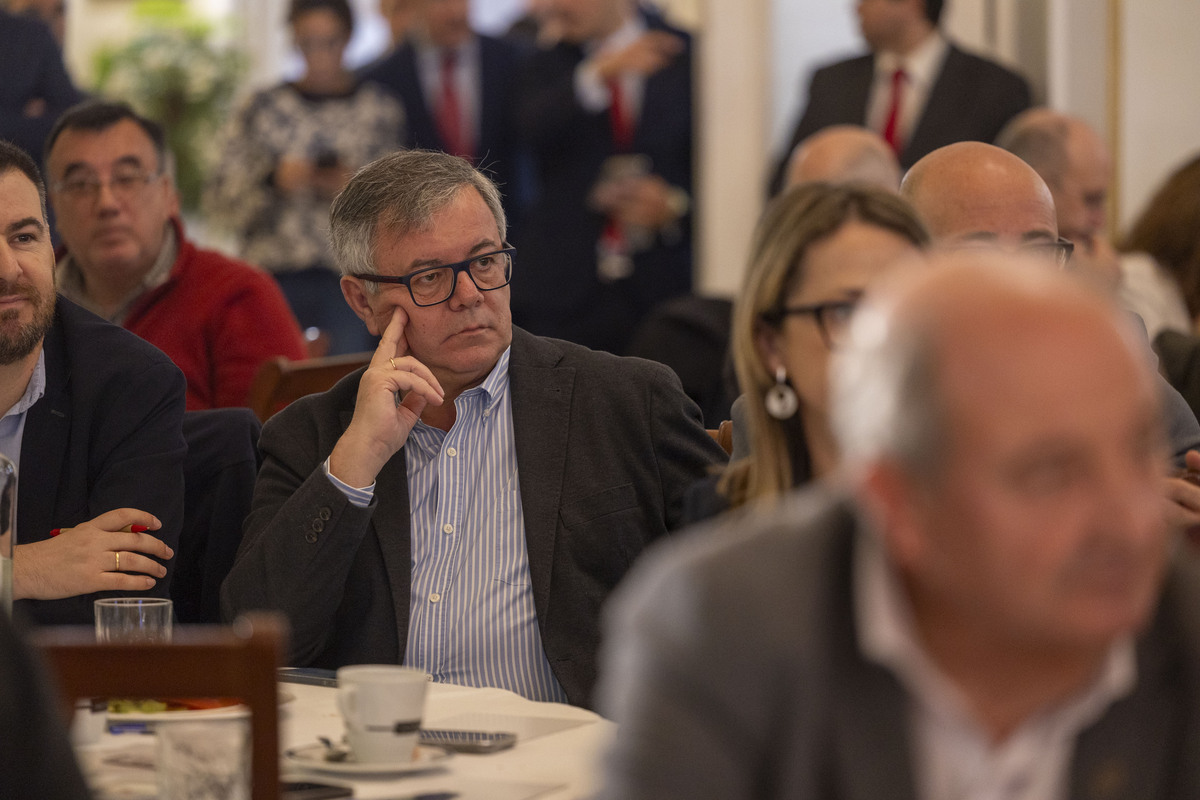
(203, 661)
(281, 380)
(723, 436)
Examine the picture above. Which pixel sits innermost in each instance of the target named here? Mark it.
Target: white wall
(1160, 102)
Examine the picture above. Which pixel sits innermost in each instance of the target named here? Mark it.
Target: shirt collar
(73, 285)
(34, 389)
(921, 66)
(492, 390)
(887, 636)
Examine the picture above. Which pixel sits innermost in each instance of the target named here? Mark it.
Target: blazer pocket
(605, 531)
(609, 501)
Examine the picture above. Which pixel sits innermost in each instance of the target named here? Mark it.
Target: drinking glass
(133, 619)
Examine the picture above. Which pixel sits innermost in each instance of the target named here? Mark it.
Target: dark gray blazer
(971, 100)
(606, 448)
(735, 673)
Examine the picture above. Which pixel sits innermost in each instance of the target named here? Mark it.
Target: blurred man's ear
(894, 502)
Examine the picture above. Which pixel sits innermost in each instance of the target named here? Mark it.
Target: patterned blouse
(284, 233)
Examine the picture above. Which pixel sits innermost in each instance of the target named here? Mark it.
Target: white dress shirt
(921, 68)
(954, 757)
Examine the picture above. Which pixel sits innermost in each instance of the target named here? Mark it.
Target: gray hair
(1039, 138)
(886, 399)
(402, 192)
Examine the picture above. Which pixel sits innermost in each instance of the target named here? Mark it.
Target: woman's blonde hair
(792, 223)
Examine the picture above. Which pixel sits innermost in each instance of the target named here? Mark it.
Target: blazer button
(310, 537)
(325, 513)
(318, 526)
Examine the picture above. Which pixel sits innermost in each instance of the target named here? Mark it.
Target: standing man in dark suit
(92, 419)
(466, 502)
(458, 88)
(996, 609)
(915, 88)
(607, 113)
(34, 86)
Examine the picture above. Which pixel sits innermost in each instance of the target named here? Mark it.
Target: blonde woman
(815, 251)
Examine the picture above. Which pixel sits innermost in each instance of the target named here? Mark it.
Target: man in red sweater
(127, 259)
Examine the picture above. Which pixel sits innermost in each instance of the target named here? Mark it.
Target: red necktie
(619, 117)
(613, 257)
(891, 128)
(450, 117)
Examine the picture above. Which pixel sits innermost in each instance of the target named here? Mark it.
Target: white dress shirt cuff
(591, 92)
(357, 497)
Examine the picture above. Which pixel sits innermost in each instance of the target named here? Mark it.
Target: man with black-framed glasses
(466, 502)
(126, 257)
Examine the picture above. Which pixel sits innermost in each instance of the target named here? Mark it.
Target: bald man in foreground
(990, 610)
(844, 154)
(975, 195)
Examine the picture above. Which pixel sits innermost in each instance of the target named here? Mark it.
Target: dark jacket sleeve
(301, 538)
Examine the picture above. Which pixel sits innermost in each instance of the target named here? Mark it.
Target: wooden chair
(281, 380)
(203, 661)
(723, 436)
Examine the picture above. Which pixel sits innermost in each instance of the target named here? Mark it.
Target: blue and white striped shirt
(472, 619)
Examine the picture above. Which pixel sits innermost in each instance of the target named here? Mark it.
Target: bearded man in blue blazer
(92, 419)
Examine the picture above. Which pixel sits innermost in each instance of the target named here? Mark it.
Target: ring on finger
(392, 361)
(118, 555)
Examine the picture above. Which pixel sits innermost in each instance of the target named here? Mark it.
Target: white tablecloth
(556, 756)
(564, 762)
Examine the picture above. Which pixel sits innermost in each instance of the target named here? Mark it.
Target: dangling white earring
(780, 400)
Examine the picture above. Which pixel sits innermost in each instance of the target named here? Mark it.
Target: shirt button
(325, 513)
(452, 452)
(434, 597)
(447, 528)
(310, 537)
(487, 412)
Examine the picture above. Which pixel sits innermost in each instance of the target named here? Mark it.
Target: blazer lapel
(44, 446)
(941, 106)
(541, 406)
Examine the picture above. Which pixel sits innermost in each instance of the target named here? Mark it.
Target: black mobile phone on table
(306, 790)
(468, 741)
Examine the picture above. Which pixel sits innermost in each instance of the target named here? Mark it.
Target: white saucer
(312, 756)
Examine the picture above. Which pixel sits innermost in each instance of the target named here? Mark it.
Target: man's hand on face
(392, 395)
(1183, 496)
(646, 55)
(97, 556)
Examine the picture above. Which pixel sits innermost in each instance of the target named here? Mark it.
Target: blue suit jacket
(31, 67)
(106, 434)
(496, 148)
(555, 288)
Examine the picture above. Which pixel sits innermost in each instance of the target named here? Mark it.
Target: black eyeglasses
(833, 318)
(434, 285)
(124, 183)
(1058, 251)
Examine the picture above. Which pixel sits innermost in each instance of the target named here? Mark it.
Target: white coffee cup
(382, 706)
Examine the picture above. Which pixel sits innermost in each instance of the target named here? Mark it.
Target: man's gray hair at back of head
(1039, 138)
(886, 402)
(402, 192)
